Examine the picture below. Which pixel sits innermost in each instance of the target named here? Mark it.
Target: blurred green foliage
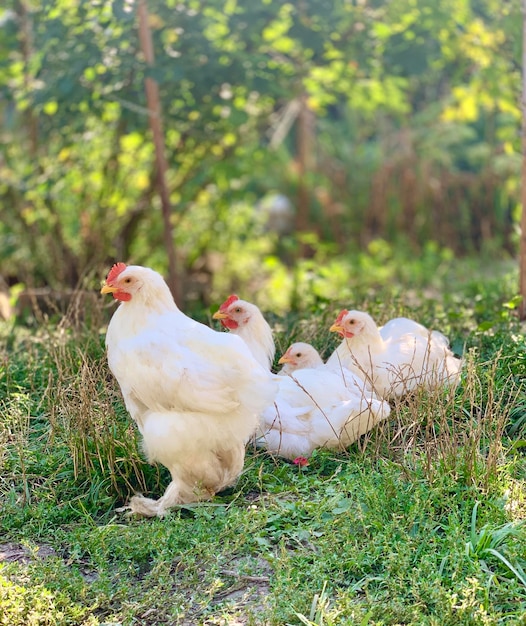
(413, 138)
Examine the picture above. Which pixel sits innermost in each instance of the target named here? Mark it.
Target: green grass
(419, 523)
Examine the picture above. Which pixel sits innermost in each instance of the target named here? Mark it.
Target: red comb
(340, 317)
(115, 271)
(228, 302)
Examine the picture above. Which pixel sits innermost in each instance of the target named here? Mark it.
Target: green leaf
(50, 108)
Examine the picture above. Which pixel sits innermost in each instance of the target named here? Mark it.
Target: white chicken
(396, 358)
(194, 393)
(313, 407)
(246, 320)
(299, 356)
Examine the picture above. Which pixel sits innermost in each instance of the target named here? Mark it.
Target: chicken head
(127, 282)
(232, 313)
(300, 355)
(351, 323)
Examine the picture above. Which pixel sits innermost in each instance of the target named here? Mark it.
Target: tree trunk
(154, 108)
(304, 151)
(522, 252)
(304, 147)
(26, 39)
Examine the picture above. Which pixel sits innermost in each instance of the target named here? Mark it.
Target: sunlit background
(313, 147)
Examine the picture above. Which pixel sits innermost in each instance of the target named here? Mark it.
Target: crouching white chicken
(195, 393)
(395, 359)
(314, 407)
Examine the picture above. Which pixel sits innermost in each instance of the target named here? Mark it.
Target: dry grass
(459, 431)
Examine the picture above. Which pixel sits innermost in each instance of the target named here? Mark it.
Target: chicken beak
(107, 289)
(336, 328)
(219, 316)
(285, 359)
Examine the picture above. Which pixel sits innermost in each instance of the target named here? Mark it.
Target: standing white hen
(313, 407)
(194, 393)
(396, 358)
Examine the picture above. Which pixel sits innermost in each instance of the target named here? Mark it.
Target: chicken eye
(127, 280)
(237, 309)
(351, 322)
(298, 354)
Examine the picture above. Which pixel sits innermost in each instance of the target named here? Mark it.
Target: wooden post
(522, 251)
(154, 108)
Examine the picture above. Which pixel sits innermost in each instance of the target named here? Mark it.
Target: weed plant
(421, 522)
